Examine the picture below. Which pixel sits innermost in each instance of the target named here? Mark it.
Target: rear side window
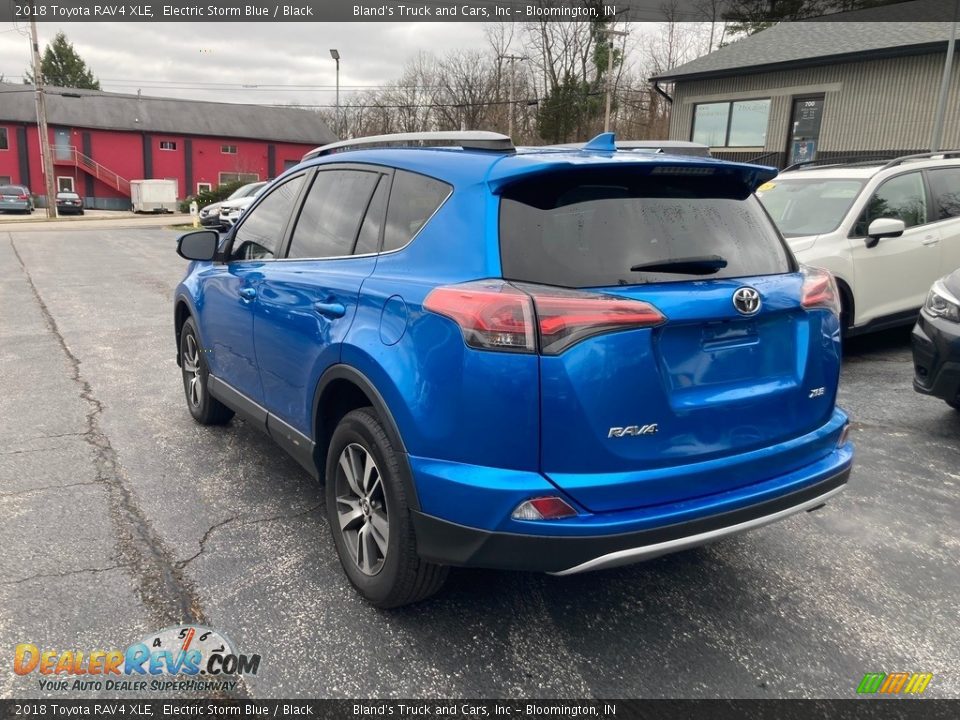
(589, 229)
(413, 200)
(945, 184)
(369, 238)
(332, 213)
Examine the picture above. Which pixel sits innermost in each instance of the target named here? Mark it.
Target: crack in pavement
(160, 584)
(31, 491)
(253, 521)
(68, 573)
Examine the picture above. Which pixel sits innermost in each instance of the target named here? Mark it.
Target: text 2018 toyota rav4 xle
(537, 359)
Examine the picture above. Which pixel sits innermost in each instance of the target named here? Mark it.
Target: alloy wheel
(362, 509)
(191, 369)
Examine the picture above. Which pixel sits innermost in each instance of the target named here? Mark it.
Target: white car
(231, 210)
(886, 230)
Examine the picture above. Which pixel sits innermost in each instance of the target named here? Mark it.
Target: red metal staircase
(73, 157)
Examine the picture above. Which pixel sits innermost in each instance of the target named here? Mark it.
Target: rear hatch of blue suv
(687, 365)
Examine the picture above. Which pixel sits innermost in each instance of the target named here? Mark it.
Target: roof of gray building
(119, 111)
(799, 44)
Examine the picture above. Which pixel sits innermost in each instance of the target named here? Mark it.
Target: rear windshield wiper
(700, 265)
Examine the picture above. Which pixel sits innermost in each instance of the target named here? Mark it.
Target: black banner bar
(852, 709)
(60, 11)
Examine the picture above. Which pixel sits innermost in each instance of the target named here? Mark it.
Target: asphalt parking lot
(121, 516)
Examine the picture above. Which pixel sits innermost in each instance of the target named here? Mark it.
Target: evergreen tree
(63, 67)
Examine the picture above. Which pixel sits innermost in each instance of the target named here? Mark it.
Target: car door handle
(931, 240)
(247, 294)
(331, 309)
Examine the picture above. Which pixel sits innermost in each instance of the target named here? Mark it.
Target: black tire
(955, 403)
(397, 576)
(204, 408)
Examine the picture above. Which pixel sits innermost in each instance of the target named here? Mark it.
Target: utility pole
(937, 137)
(512, 102)
(335, 54)
(612, 33)
(46, 159)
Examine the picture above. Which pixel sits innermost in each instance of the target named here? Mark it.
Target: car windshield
(11, 190)
(243, 191)
(809, 206)
(67, 196)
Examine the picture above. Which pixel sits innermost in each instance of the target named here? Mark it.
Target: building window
(228, 149)
(4, 142)
(287, 164)
(65, 184)
(741, 123)
(168, 145)
(226, 178)
(5, 180)
(204, 187)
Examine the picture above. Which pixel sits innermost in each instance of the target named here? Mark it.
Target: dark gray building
(820, 90)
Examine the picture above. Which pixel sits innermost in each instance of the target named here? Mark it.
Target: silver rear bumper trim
(647, 552)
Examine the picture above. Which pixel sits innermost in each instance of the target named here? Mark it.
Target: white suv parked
(886, 230)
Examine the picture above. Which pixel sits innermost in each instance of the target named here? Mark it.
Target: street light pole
(512, 102)
(617, 33)
(937, 137)
(46, 159)
(335, 54)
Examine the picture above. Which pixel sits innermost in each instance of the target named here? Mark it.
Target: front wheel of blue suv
(204, 408)
(369, 516)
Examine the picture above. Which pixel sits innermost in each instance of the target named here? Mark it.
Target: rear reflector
(495, 315)
(545, 508)
(820, 289)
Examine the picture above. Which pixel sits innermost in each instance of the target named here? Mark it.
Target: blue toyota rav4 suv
(538, 359)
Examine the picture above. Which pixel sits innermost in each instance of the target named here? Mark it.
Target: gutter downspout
(661, 92)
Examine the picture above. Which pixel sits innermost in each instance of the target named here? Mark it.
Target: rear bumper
(680, 527)
(936, 358)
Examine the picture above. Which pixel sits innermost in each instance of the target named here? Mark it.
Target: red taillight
(495, 315)
(492, 314)
(820, 290)
(23, 197)
(567, 319)
(543, 508)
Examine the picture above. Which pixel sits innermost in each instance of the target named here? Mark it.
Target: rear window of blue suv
(586, 230)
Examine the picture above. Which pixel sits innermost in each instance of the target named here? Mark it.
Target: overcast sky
(128, 56)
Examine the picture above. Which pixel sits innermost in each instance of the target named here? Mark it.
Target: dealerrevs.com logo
(186, 657)
(894, 683)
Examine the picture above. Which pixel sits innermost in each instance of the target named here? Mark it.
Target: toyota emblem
(747, 301)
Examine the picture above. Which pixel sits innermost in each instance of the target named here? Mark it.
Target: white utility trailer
(153, 196)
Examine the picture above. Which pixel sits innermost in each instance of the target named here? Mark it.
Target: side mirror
(883, 228)
(198, 245)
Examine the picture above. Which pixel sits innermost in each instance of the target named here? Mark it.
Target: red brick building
(101, 141)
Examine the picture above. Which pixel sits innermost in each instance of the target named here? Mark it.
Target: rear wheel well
(338, 398)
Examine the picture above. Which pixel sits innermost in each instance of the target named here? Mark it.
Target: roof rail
(940, 154)
(833, 162)
(466, 139)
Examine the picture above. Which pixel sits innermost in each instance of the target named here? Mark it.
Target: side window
(331, 214)
(901, 197)
(369, 238)
(261, 232)
(413, 199)
(945, 184)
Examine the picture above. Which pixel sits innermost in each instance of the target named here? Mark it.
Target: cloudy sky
(176, 59)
